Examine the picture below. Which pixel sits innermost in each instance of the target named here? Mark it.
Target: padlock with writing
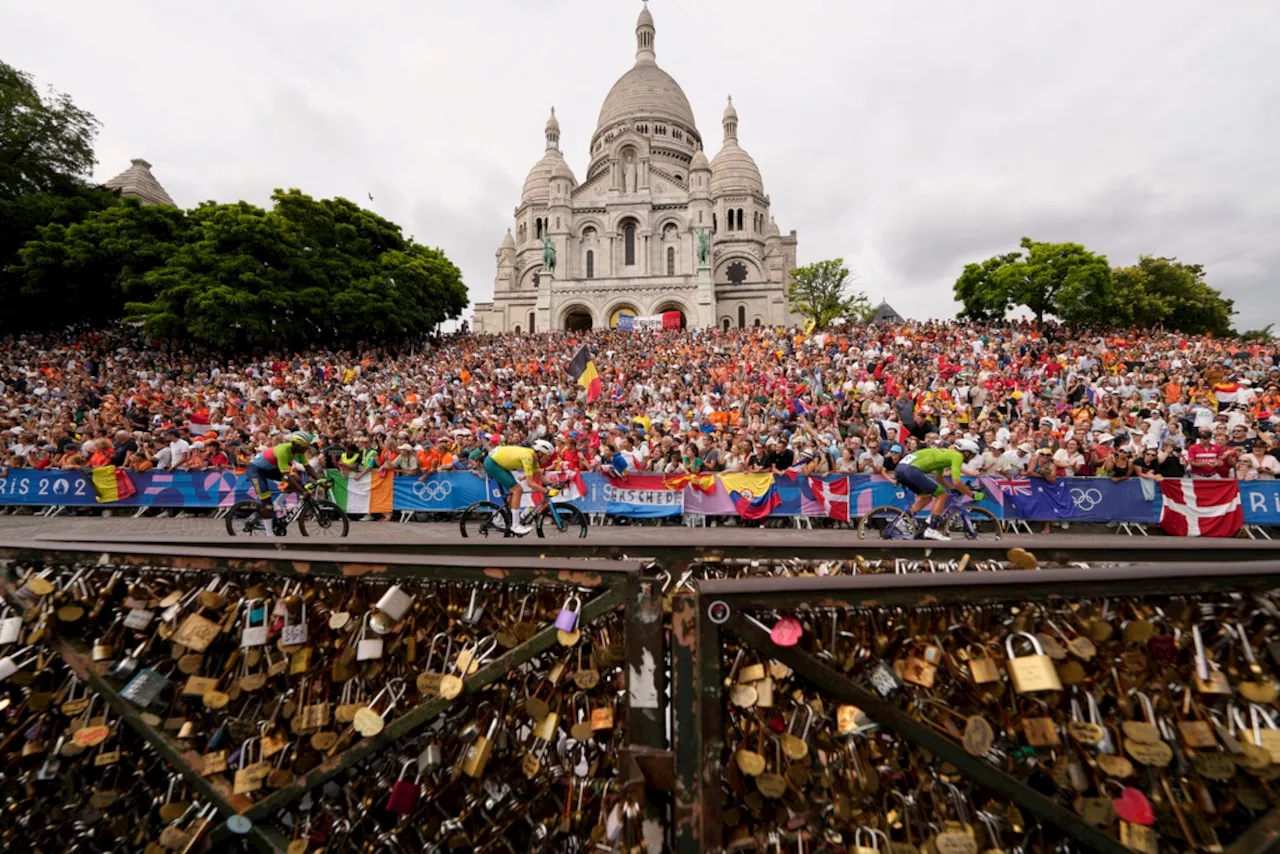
(1031, 673)
(567, 619)
(368, 647)
(254, 632)
(395, 603)
(404, 793)
(294, 634)
(145, 687)
(369, 721)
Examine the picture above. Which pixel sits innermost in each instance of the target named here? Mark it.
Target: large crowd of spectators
(1041, 401)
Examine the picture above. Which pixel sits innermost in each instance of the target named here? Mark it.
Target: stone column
(705, 310)
(546, 300)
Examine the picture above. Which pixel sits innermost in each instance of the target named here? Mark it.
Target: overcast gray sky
(909, 137)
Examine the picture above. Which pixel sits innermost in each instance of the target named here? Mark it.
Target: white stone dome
(699, 161)
(646, 92)
(733, 170)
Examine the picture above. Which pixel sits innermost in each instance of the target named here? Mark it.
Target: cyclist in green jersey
(915, 470)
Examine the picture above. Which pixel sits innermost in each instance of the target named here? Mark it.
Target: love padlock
(567, 619)
(404, 793)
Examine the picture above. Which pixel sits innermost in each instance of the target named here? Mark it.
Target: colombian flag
(584, 371)
(754, 495)
(112, 484)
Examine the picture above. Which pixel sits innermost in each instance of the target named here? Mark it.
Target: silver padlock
(10, 627)
(294, 634)
(367, 647)
(475, 608)
(254, 634)
(10, 664)
(125, 667)
(395, 603)
(430, 757)
(138, 618)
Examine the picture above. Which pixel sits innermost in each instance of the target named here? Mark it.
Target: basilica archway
(618, 310)
(663, 308)
(578, 319)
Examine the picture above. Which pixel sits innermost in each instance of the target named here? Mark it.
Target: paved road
(1099, 545)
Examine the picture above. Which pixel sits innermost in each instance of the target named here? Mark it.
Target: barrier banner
(642, 496)
(652, 495)
(1261, 502)
(439, 493)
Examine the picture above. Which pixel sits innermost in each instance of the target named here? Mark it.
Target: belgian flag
(584, 371)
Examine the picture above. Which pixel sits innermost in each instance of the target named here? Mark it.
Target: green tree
(1265, 335)
(21, 219)
(43, 140)
(46, 152)
(822, 292)
(1062, 279)
(302, 272)
(1167, 293)
(983, 297)
(88, 267)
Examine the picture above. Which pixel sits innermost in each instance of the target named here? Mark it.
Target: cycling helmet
(302, 439)
(542, 446)
(967, 445)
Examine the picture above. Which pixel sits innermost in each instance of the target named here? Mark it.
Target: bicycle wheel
(323, 519)
(974, 523)
(485, 519)
(244, 519)
(572, 525)
(887, 523)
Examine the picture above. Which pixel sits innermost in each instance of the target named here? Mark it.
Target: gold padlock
(1031, 673)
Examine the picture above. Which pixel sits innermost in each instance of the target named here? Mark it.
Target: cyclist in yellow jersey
(505, 459)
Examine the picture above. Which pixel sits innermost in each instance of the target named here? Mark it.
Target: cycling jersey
(515, 458)
(280, 457)
(931, 460)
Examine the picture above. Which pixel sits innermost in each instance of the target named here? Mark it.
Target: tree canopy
(1063, 279)
(306, 270)
(1077, 286)
(43, 140)
(822, 292)
(1163, 292)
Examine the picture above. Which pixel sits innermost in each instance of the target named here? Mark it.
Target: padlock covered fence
(827, 710)
(262, 737)
(711, 696)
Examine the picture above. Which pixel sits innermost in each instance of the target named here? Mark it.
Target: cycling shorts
(262, 477)
(505, 479)
(917, 481)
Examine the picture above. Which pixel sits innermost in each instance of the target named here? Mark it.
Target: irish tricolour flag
(372, 493)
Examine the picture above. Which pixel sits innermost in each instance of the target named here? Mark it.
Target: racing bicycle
(315, 516)
(549, 519)
(959, 518)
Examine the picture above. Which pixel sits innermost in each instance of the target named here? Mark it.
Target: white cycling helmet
(967, 445)
(542, 446)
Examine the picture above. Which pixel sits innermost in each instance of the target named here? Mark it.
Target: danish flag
(832, 496)
(1201, 508)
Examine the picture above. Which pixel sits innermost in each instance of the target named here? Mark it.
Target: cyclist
(505, 459)
(278, 464)
(914, 472)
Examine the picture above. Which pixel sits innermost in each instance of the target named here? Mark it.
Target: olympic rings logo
(433, 490)
(1086, 499)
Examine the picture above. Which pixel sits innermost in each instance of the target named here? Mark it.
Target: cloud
(910, 142)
